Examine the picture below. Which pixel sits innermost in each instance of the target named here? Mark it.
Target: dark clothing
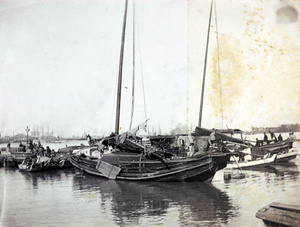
(48, 152)
(30, 145)
(265, 137)
(279, 137)
(257, 143)
(40, 151)
(22, 147)
(273, 135)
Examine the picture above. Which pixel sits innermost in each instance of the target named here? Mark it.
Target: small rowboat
(35, 164)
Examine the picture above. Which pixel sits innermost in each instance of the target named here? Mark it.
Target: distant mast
(117, 123)
(204, 70)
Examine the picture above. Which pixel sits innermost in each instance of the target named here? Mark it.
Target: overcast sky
(258, 56)
(59, 64)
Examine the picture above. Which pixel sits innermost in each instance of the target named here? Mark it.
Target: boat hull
(252, 164)
(9, 161)
(34, 165)
(188, 169)
(284, 157)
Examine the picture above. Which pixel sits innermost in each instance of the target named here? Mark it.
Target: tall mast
(133, 66)
(117, 124)
(204, 71)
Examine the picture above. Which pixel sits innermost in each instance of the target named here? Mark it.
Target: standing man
(212, 137)
(273, 136)
(265, 138)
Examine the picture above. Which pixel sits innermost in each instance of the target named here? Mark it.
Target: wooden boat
(284, 150)
(13, 159)
(123, 157)
(286, 156)
(35, 164)
(279, 214)
(136, 167)
(69, 149)
(59, 162)
(9, 161)
(265, 161)
(61, 158)
(13, 156)
(19, 157)
(228, 138)
(275, 147)
(222, 134)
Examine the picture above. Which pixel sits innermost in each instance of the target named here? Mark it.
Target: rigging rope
(217, 37)
(142, 77)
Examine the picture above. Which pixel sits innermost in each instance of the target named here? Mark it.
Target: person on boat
(88, 136)
(48, 151)
(90, 140)
(280, 137)
(41, 149)
(265, 138)
(212, 138)
(293, 136)
(191, 146)
(8, 147)
(290, 140)
(273, 136)
(30, 145)
(222, 146)
(22, 147)
(257, 144)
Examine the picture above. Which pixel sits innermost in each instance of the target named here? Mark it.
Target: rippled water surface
(71, 198)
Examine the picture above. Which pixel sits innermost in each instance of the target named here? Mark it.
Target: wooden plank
(108, 170)
(295, 208)
(282, 214)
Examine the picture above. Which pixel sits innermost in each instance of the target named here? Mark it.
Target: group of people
(273, 137)
(291, 136)
(37, 149)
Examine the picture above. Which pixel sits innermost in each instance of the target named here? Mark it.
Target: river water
(71, 198)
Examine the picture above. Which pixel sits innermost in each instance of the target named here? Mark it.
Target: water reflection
(285, 169)
(131, 202)
(279, 169)
(46, 177)
(277, 173)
